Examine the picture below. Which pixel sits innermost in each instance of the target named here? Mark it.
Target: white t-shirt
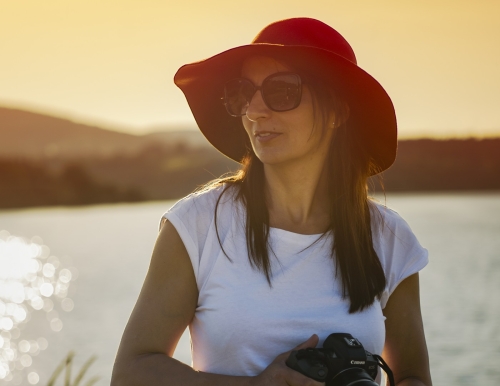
(241, 323)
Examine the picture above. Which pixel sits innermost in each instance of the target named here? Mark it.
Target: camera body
(341, 362)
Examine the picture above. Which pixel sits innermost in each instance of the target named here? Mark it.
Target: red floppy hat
(311, 44)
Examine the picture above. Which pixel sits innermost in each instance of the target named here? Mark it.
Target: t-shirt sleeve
(192, 217)
(398, 249)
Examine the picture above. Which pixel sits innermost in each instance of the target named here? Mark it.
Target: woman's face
(281, 137)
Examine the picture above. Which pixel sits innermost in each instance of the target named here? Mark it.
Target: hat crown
(306, 32)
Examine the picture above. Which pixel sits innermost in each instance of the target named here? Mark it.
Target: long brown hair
(349, 167)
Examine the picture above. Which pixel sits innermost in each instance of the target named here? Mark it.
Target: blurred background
(96, 142)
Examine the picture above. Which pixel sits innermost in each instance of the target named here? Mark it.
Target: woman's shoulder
(391, 231)
(392, 235)
(397, 247)
(194, 219)
(202, 203)
(385, 218)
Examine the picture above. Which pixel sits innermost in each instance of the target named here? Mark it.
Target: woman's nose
(257, 108)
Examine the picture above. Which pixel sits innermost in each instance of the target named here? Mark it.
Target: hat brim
(371, 112)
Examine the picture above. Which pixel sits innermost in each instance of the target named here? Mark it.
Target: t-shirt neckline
(293, 234)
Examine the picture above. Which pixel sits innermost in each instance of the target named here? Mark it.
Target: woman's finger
(309, 343)
(297, 379)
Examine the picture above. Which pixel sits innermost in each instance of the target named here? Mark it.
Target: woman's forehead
(258, 65)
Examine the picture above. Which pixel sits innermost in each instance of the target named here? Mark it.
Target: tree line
(161, 173)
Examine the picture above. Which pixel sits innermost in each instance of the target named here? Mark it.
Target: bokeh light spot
(24, 346)
(6, 323)
(34, 348)
(26, 360)
(37, 303)
(48, 305)
(65, 275)
(9, 354)
(56, 324)
(67, 305)
(33, 378)
(29, 277)
(20, 314)
(47, 289)
(42, 343)
(48, 270)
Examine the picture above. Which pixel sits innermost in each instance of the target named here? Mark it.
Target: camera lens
(352, 376)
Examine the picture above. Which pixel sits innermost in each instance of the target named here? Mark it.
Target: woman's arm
(405, 350)
(165, 307)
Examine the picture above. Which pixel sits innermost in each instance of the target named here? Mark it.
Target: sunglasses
(280, 91)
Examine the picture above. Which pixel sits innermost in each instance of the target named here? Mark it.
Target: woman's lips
(266, 136)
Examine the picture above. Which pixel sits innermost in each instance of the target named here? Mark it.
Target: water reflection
(30, 280)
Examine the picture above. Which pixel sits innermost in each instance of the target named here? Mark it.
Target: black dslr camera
(341, 362)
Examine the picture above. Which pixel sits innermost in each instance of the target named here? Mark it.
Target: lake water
(110, 247)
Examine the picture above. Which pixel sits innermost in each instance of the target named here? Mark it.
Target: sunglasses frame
(259, 88)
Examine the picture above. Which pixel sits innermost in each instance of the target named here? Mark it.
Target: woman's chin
(273, 158)
(268, 157)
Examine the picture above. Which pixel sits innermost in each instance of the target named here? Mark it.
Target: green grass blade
(67, 377)
(92, 380)
(66, 362)
(83, 370)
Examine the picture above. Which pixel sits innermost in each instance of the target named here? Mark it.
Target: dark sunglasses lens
(282, 92)
(237, 96)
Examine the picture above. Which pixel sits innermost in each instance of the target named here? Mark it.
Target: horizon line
(191, 126)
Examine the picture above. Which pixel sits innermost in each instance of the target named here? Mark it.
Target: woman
(289, 249)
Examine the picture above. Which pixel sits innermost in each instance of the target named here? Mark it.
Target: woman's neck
(297, 197)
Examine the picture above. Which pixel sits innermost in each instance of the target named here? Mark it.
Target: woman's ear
(331, 121)
(339, 119)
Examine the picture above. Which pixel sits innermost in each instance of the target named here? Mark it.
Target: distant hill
(189, 137)
(25, 184)
(445, 165)
(34, 135)
(46, 160)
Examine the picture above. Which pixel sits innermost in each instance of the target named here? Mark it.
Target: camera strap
(386, 368)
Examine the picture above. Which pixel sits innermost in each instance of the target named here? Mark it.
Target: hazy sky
(112, 61)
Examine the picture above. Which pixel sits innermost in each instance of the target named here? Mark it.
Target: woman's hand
(279, 374)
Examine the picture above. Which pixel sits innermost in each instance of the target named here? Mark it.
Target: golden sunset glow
(112, 62)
